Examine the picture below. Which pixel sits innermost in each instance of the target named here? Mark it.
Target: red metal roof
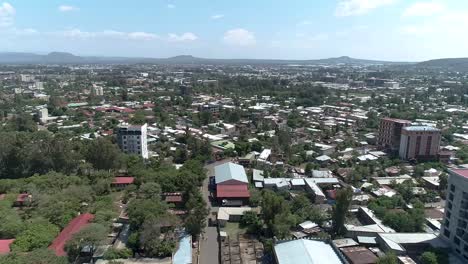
(73, 227)
(21, 197)
(173, 197)
(461, 172)
(123, 180)
(232, 191)
(5, 246)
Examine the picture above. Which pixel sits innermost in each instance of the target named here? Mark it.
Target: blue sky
(407, 30)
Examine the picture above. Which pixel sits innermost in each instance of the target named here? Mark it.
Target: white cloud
(424, 9)
(215, 17)
(448, 25)
(67, 8)
(26, 32)
(7, 15)
(171, 6)
(186, 37)
(359, 7)
(77, 33)
(239, 37)
(142, 36)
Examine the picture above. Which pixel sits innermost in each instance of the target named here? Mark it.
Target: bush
(113, 253)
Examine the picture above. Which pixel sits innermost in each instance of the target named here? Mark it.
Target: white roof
(308, 225)
(306, 251)
(258, 175)
(323, 158)
(225, 212)
(265, 154)
(230, 171)
(394, 240)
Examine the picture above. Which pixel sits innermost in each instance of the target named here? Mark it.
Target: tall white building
(98, 90)
(27, 77)
(39, 85)
(133, 140)
(455, 225)
(43, 115)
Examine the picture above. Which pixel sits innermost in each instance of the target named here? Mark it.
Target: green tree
(138, 118)
(91, 236)
(39, 256)
(12, 224)
(103, 155)
(253, 223)
(429, 258)
(340, 209)
(197, 213)
(389, 258)
(35, 236)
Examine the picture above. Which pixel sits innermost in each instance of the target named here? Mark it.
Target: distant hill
(454, 64)
(68, 58)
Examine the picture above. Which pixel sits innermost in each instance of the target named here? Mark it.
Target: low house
(22, 199)
(359, 255)
(409, 243)
(232, 214)
(232, 185)
(75, 225)
(174, 198)
(122, 182)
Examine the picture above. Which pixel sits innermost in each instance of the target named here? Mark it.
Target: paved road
(209, 249)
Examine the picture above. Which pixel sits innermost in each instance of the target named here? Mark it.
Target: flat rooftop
(461, 172)
(421, 128)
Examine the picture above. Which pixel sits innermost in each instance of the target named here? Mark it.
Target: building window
(447, 233)
(457, 241)
(447, 223)
(451, 196)
(449, 205)
(452, 187)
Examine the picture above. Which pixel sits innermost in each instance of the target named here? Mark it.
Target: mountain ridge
(69, 58)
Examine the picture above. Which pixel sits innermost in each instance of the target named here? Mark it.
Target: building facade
(455, 225)
(133, 140)
(390, 133)
(419, 143)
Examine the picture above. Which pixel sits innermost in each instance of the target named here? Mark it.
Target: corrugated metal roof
(183, 255)
(306, 251)
(230, 171)
(232, 191)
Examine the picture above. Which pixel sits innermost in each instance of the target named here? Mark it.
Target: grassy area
(233, 229)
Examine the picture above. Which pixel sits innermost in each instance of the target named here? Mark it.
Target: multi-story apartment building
(455, 225)
(419, 143)
(390, 133)
(133, 140)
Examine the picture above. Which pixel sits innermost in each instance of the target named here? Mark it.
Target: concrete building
(98, 90)
(420, 143)
(26, 78)
(390, 133)
(232, 184)
(39, 85)
(185, 90)
(43, 115)
(455, 225)
(133, 140)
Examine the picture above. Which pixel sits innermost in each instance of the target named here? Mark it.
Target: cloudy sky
(405, 30)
